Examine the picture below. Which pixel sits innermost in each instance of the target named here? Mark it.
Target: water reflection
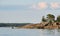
(29, 32)
(50, 32)
(58, 30)
(47, 32)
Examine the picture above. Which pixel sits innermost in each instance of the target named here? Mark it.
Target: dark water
(29, 32)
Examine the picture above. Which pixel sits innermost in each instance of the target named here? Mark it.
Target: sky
(27, 11)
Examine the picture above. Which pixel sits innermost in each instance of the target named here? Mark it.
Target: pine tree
(43, 19)
(58, 19)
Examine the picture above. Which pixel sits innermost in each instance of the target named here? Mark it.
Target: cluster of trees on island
(51, 18)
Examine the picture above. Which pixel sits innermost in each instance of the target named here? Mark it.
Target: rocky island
(48, 22)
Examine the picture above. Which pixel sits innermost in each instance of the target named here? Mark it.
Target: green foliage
(58, 19)
(43, 19)
(50, 19)
(50, 16)
(50, 22)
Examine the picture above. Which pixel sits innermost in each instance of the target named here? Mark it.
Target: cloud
(45, 5)
(55, 5)
(42, 5)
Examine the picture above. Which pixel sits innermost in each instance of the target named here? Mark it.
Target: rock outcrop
(43, 25)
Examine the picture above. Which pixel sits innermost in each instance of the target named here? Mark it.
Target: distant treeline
(12, 24)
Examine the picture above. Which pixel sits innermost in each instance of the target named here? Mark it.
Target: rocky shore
(48, 22)
(43, 25)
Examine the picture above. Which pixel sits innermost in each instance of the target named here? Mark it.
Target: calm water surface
(28, 32)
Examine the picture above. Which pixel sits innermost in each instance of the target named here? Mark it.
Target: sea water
(8, 31)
